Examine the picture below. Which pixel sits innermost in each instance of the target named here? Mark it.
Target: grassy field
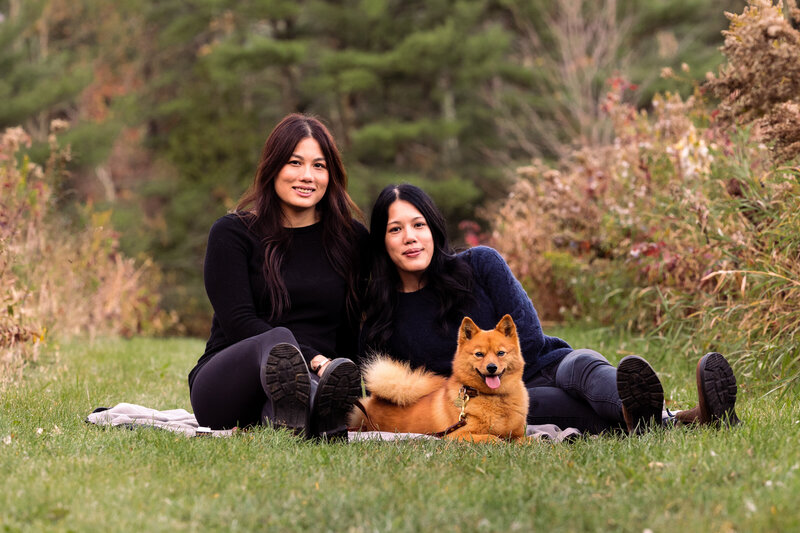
(61, 474)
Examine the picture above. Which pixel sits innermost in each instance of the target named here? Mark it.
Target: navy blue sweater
(417, 338)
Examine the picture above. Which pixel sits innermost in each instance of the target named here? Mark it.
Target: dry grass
(760, 85)
(59, 276)
(588, 43)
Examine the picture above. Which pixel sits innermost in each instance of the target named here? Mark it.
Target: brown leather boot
(716, 391)
(641, 393)
(688, 416)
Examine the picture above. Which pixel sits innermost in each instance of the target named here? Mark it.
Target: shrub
(61, 276)
(760, 85)
(605, 209)
(688, 222)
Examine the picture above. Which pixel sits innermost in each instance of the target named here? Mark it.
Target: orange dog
(482, 400)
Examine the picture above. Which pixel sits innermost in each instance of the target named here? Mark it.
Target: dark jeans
(579, 391)
(227, 390)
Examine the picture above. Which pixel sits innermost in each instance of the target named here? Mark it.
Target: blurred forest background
(133, 125)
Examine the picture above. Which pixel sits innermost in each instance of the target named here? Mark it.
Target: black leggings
(580, 391)
(227, 390)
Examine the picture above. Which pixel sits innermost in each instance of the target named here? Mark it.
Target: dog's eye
(501, 353)
(478, 354)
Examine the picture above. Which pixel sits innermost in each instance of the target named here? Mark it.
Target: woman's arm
(227, 280)
(508, 296)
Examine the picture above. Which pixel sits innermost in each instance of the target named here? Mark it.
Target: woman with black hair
(283, 273)
(420, 290)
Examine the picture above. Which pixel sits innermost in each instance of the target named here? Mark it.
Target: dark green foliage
(46, 55)
(399, 85)
(33, 80)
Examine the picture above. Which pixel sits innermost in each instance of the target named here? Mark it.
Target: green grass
(79, 477)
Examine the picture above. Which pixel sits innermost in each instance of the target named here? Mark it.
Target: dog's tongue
(492, 382)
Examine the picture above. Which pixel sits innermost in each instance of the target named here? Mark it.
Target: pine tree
(401, 81)
(40, 78)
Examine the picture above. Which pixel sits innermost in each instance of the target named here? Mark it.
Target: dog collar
(467, 392)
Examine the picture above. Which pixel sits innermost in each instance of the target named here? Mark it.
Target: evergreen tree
(47, 56)
(38, 77)
(401, 82)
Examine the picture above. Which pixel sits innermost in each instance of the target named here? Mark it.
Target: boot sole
(717, 385)
(640, 391)
(338, 390)
(286, 381)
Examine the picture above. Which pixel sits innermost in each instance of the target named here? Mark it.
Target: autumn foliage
(61, 277)
(690, 220)
(760, 85)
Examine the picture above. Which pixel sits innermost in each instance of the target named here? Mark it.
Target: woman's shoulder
(487, 264)
(232, 220)
(360, 234)
(360, 229)
(231, 224)
(482, 256)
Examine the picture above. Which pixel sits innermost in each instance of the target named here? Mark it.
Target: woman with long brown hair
(283, 273)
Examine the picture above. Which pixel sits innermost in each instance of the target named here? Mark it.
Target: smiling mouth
(303, 190)
(413, 253)
(493, 380)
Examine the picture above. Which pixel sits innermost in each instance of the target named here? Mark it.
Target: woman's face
(302, 182)
(409, 243)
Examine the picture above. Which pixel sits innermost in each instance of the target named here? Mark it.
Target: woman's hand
(318, 364)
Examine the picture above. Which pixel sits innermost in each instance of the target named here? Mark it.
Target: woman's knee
(273, 336)
(281, 331)
(577, 363)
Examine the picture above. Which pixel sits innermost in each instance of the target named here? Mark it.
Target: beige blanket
(181, 421)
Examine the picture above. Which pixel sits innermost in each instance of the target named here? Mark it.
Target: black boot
(287, 384)
(338, 389)
(641, 393)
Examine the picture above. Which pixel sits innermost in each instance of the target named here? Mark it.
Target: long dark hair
(450, 278)
(260, 208)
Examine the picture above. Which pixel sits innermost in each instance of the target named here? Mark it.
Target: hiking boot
(339, 388)
(716, 391)
(286, 382)
(641, 393)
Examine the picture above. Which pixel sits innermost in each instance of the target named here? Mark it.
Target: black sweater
(235, 284)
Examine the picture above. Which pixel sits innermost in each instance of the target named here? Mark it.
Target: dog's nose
(491, 368)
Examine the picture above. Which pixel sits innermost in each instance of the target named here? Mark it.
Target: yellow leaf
(100, 219)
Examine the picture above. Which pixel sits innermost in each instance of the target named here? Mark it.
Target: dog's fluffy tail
(396, 382)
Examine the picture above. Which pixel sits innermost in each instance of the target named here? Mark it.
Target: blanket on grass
(181, 421)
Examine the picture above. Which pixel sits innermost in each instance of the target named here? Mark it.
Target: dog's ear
(507, 327)
(468, 329)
